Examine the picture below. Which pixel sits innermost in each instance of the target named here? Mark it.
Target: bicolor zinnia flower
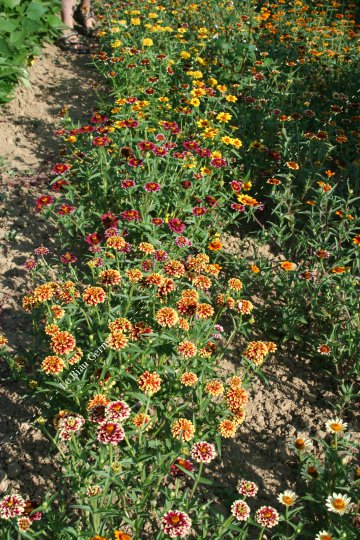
(179, 462)
(117, 411)
(189, 378)
(24, 523)
(240, 510)
(62, 343)
(149, 383)
(167, 317)
(183, 429)
(203, 452)
(324, 535)
(110, 432)
(176, 524)
(227, 429)
(94, 295)
(53, 365)
(187, 349)
(267, 516)
(117, 341)
(12, 506)
(247, 488)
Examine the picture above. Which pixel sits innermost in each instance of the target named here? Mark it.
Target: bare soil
(28, 147)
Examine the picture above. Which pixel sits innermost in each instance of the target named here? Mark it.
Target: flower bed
(146, 303)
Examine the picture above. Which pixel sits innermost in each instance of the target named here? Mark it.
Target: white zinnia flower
(287, 498)
(338, 503)
(335, 425)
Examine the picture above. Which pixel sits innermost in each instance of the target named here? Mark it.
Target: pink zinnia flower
(41, 251)
(117, 411)
(199, 211)
(176, 524)
(126, 184)
(238, 207)
(218, 163)
(267, 516)
(236, 185)
(93, 239)
(152, 186)
(240, 510)
(157, 221)
(203, 452)
(30, 264)
(176, 225)
(110, 432)
(160, 255)
(11, 506)
(131, 215)
(68, 258)
(182, 241)
(180, 462)
(111, 231)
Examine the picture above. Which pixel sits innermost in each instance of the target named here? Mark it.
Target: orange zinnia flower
(187, 349)
(227, 429)
(62, 343)
(288, 266)
(53, 365)
(215, 245)
(167, 317)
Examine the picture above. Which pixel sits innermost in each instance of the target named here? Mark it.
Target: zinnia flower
(110, 432)
(267, 516)
(52, 365)
(11, 506)
(323, 535)
(167, 317)
(184, 463)
(240, 510)
(338, 503)
(335, 425)
(183, 429)
(247, 488)
(149, 383)
(287, 498)
(176, 524)
(62, 343)
(203, 452)
(117, 411)
(94, 295)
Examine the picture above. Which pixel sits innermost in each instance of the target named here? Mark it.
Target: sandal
(71, 42)
(82, 16)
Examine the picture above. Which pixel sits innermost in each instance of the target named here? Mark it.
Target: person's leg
(67, 10)
(70, 40)
(89, 19)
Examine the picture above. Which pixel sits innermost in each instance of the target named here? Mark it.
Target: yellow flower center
(339, 504)
(299, 444)
(335, 426)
